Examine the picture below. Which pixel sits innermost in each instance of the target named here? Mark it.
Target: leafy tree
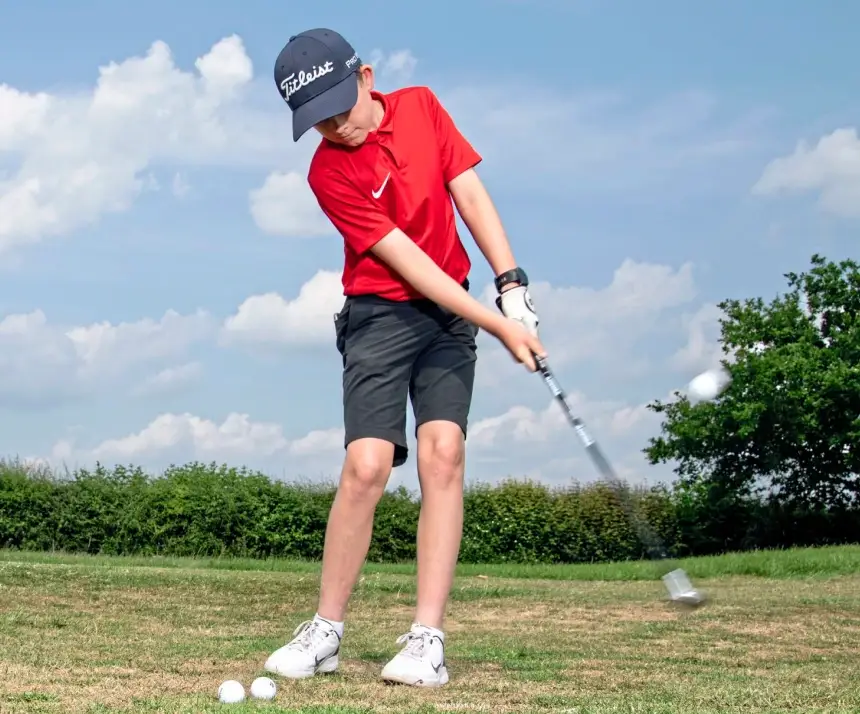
(788, 423)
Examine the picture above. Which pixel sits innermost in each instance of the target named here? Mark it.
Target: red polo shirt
(397, 178)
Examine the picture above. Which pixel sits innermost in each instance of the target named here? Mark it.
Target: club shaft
(647, 536)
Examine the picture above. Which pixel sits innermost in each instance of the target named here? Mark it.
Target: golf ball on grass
(231, 692)
(263, 688)
(707, 385)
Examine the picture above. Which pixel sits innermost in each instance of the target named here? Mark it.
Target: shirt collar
(387, 124)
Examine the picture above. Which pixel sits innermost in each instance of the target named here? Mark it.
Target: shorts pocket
(341, 326)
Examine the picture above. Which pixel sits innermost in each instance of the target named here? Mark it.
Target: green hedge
(212, 510)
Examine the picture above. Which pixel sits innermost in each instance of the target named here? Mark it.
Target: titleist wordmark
(294, 83)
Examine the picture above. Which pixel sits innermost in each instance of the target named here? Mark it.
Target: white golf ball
(263, 688)
(231, 692)
(706, 386)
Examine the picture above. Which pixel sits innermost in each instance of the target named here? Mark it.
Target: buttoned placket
(391, 155)
(382, 138)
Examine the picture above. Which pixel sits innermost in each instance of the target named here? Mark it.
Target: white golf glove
(516, 304)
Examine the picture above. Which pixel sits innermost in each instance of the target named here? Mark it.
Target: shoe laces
(416, 642)
(307, 634)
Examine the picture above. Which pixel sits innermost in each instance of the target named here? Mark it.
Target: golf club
(681, 590)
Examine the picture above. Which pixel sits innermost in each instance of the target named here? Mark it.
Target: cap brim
(338, 99)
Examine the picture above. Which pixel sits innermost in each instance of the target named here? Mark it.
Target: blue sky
(648, 160)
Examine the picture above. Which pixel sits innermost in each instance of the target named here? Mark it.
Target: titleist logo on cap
(293, 83)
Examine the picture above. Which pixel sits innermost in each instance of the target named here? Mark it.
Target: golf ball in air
(263, 688)
(707, 385)
(231, 692)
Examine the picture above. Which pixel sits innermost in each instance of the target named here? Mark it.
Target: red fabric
(419, 149)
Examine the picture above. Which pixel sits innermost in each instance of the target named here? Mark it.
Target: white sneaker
(421, 662)
(313, 649)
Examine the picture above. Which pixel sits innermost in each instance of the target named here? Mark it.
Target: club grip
(541, 363)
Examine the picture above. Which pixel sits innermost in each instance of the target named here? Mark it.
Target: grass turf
(98, 634)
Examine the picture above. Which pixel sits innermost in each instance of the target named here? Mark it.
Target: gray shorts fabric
(392, 350)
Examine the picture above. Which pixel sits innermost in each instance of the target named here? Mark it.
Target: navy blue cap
(315, 76)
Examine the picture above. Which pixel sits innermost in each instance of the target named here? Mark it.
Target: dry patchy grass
(76, 638)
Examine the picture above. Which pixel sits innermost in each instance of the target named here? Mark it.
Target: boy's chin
(355, 139)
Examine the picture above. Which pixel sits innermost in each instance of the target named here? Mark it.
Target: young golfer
(384, 173)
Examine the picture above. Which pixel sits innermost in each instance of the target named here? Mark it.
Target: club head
(681, 590)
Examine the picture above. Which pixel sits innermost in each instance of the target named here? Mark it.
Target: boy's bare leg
(350, 525)
(441, 464)
(316, 647)
(441, 461)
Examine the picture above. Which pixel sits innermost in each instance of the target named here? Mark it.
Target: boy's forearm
(399, 252)
(478, 212)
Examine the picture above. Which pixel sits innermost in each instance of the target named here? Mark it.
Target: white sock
(336, 626)
(433, 631)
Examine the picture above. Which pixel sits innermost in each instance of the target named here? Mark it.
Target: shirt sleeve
(458, 155)
(360, 221)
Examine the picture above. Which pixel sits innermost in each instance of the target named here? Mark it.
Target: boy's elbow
(395, 249)
(467, 188)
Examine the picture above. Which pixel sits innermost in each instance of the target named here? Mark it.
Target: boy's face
(351, 128)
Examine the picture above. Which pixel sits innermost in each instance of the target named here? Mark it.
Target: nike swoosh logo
(327, 657)
(436, 667)
(378, 192)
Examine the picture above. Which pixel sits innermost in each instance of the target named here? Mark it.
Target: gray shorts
(391, 349)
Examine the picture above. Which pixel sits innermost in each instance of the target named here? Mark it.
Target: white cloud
(831, 167)
(269, 320)
(702, 350)
(581, 324)
(41, 362)
(106, 349)
(202, 438)
(586, 327)
(169, 379)
(542, 444)
(320, 441)
(520, 442)
(226, 68)
(87, 154)
(396, 66)
(517, 425)
(591, 332)
(180, 438)
(22, 117)
(285, 205)
(521, 425)
(179, 186)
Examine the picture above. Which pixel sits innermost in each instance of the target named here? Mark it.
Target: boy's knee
(441, 453)
(367, 468)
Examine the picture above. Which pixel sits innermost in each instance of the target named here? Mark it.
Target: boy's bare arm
(478, 212)
(480, 216)
(399, 252)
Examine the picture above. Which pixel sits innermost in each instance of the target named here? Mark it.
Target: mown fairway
(98, 635)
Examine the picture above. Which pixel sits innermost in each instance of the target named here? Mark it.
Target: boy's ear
(366, 76)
